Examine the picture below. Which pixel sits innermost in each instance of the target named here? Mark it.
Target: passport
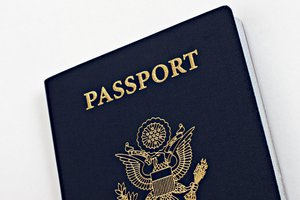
(176, 115)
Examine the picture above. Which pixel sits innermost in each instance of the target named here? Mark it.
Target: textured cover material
(210, 94)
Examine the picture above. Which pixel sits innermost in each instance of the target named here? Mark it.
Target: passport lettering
(131, 84)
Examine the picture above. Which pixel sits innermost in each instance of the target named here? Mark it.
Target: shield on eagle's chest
(163, 182)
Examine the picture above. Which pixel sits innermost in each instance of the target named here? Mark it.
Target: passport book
(176, 115)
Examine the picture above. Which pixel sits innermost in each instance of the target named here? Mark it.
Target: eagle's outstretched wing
(183, 153)
(133, 167)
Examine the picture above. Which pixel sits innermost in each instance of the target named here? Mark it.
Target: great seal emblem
(167, 158)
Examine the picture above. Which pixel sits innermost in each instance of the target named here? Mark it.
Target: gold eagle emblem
(161, 161)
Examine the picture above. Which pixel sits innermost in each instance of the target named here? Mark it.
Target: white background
(41, 38)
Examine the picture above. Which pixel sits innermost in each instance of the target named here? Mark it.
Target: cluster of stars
(153, 135)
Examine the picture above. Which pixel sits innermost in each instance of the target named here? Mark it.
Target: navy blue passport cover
(216, 98)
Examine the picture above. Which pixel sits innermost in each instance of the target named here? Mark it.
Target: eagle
(168, 165)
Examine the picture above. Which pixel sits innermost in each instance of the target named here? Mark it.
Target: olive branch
(122, 193)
